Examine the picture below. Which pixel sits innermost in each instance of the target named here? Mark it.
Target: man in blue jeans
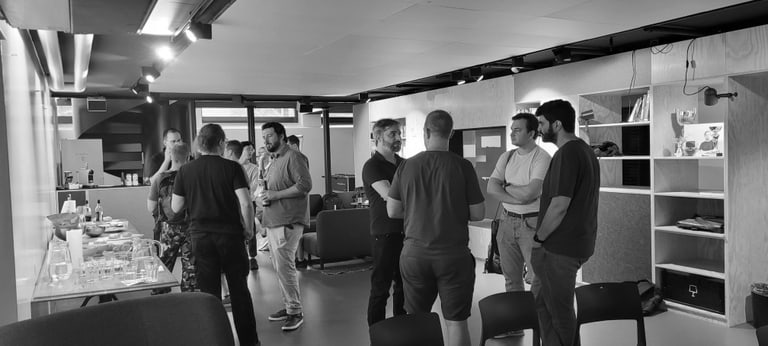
(516, 181)
(567, 229)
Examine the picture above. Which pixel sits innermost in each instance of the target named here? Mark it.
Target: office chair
(609, 301)
(408, 330)
(167, 319)
(507, 311)
(762, 336)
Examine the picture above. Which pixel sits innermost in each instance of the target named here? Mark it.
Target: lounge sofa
(341, 234)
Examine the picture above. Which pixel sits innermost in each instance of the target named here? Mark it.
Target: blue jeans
(515, 239)
(283, 242)
(554, 287)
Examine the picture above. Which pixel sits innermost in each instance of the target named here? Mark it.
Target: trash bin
(760, 304)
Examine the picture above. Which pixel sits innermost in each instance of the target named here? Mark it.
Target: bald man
(437, 193)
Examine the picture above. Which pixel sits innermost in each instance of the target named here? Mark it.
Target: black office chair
(408, 330)
(609, 301)
(166, 319)
(762, 336)
(504, 312)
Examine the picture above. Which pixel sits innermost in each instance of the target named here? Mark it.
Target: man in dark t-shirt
(565, 237)
(387, 234)
(215, 192)
(437, 193)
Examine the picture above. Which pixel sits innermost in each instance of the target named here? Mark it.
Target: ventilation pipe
(49, 40)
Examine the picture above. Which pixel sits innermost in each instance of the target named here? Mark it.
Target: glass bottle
(98, 212)
(87, 211)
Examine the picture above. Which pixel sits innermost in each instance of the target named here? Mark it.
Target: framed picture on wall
(703, 139)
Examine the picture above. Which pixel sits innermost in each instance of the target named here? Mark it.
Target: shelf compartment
(621, 173)
(690, 178)
(669, 210)
(683, 231)
(693, 255)
(636, 123)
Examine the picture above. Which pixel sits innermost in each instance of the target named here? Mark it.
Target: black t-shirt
(153, 164)
(377, 168)
(208, 186)
(575, 173)
(436, 189)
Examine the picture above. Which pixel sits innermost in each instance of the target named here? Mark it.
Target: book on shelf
(641, 110)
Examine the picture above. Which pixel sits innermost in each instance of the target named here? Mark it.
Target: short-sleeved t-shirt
(208, 186)
(436, 189)
(377, 168)
(252, 175)
(521, 169)
(574, 173)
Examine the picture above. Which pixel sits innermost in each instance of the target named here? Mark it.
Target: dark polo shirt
(377, 168)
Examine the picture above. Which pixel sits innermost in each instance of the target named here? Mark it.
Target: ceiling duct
(49, 41)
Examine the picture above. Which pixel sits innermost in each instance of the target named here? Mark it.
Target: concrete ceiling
(335, 47)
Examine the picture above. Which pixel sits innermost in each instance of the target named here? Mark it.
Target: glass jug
(144, 253)
(59, 261)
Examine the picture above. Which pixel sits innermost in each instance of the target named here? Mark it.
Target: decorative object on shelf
(606, 148)
(711, 96)
(685, 116)
(703, 223)
(703, 139)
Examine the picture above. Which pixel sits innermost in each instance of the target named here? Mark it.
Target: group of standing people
(205, 212)
(420, 208)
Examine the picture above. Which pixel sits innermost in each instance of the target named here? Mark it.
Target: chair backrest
(508, 311)
(168, 319)
(421, 329)
(315, 204)
(762, 336)
(610, 301)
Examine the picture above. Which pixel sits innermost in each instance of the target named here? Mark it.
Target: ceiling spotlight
(140, 88)
(711, 96)
(150, 99)
(165, 53)
(476, 73)
(562, 55)
(150, 73)
(198, 31)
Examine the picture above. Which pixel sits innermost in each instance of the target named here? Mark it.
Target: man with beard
(286, 213)
(516, 181)
(387, 233)
(437, 193)
(215, 193)
(567, 229)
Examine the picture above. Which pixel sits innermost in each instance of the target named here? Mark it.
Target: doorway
(482, 147)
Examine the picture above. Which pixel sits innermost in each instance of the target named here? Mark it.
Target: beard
(549, 135)
(272, 147)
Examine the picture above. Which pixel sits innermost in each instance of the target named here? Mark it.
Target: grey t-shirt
(436, 189)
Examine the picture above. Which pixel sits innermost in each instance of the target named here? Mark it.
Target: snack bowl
(94, 230)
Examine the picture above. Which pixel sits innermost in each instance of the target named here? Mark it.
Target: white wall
(312, 146)
(28, 193)
(484, 104)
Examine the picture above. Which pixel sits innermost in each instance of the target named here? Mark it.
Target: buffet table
(47, 292)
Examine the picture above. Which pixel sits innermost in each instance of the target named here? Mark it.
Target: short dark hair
(440, 123)
(169, 130)
(292, 139)
(236, 147)
(275, 126)
(247, 143)
(531, 123)
(209, 137)
(559, 110)
(180, 152)
(381, 125)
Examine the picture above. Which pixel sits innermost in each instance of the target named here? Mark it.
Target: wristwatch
(536, 239)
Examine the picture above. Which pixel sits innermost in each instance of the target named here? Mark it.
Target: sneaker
(226, 301)
(293, 322)
(510, 334)
(254, 264)
(281, 315)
